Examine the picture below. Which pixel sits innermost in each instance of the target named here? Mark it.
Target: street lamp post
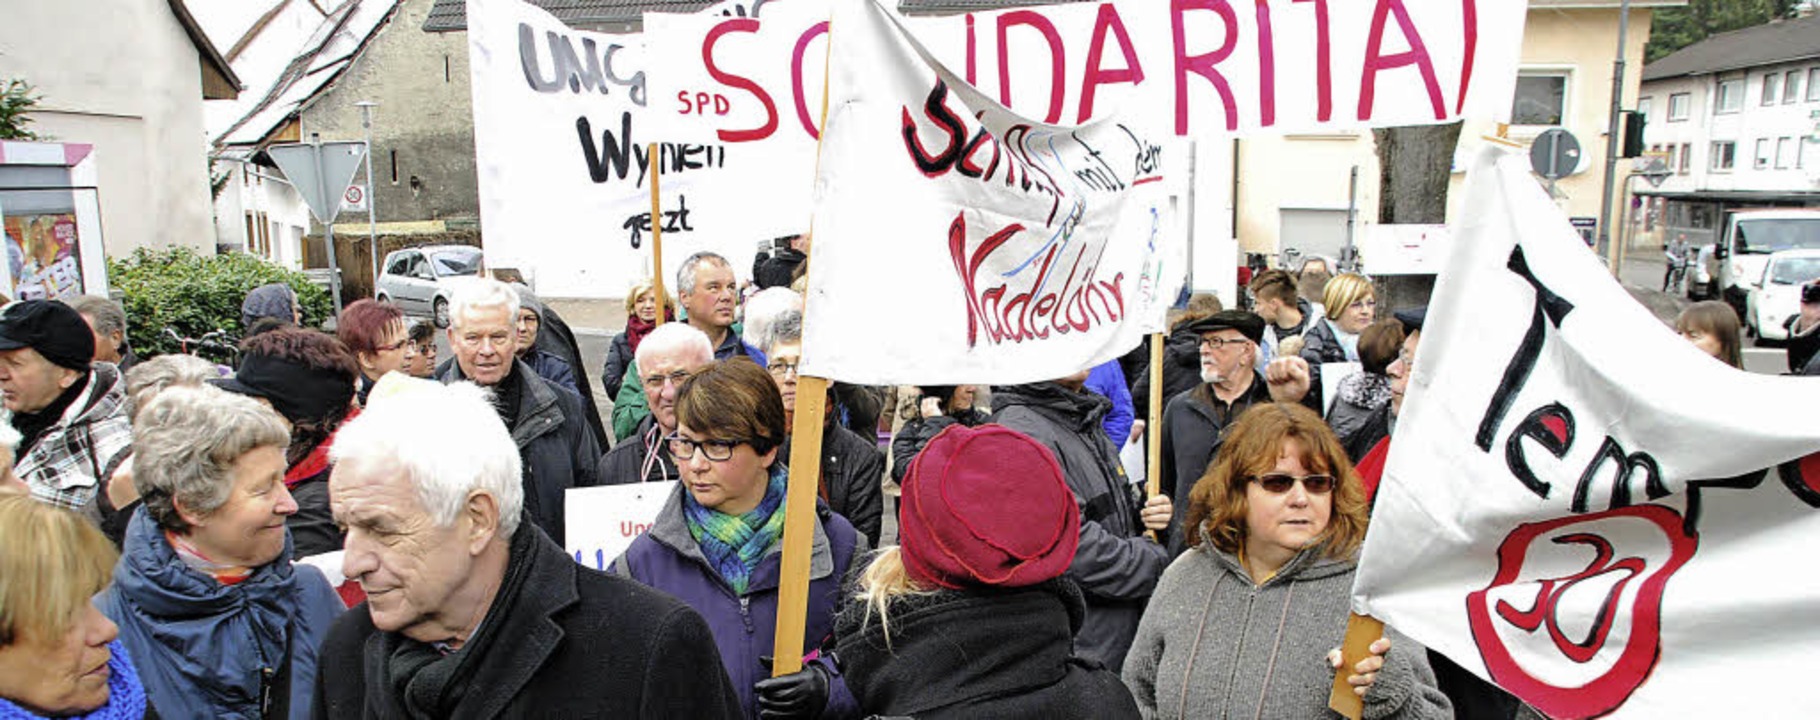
(366, 121)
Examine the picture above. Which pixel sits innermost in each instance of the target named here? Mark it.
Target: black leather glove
(801, 694)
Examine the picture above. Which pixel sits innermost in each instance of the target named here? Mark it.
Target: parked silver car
(417, 279)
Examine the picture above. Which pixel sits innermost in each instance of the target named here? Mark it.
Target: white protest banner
(603, 521)
(957, 242)
(1203, 68)
(560, 140)
(1582, 507)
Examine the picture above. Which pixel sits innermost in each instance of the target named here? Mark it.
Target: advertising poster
(42, 261)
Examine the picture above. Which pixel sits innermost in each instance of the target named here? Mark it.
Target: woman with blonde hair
(641, 319)
(1238, 622)
(1350, 305)
(972, 616)
(59, 656)
(1712, 326)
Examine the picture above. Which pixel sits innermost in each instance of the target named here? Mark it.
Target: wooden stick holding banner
(1154, 425)
(800, 490)
(657, 234)
(1361, 632)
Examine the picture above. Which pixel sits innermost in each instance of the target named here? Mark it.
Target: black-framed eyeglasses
(1279, 483)
(781, 369)
(683, 448)
(1221, 343)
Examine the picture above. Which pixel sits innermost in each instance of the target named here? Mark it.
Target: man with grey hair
(108, 322)
(666, 357)
(557, 448)
(853, 469)
(470, 613)
(709, 293)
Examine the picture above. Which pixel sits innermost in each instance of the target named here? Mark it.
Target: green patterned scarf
(733, 544)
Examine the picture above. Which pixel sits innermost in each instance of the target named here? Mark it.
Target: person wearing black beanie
(69, 411)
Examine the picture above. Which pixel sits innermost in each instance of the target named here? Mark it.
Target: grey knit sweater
(1213, 645)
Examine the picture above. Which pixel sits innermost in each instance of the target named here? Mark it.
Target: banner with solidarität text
(1581, 506)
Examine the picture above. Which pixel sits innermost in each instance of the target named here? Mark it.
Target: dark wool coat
(853, 475)
(584, 645)
(985, 653)
(558, 450)
(1115, 566)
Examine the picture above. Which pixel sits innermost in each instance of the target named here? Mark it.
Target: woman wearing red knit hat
(971, 616)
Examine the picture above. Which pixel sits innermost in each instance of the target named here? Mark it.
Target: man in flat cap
(1194, 419)
(69, 410)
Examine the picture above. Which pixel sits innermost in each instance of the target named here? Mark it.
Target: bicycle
(220, 345)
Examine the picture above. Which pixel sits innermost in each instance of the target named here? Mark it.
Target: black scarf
(410, 679)
(506, 396)
(33, 425)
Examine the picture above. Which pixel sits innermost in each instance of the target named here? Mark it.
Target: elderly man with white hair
(471, 613)
(669, 355)
(553, 439)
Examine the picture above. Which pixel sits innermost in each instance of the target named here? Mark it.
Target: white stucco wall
(123, 76)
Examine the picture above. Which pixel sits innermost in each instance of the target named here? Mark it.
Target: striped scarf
(733, 544)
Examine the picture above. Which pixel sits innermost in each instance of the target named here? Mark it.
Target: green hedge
(193, 294)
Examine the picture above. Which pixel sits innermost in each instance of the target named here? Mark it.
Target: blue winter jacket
(205, 649)
(745, 627)
(1108, 379)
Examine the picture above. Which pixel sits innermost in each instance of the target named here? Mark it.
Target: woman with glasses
(716, 544)
(1247, 623)
(1350, 305)
(374, 331)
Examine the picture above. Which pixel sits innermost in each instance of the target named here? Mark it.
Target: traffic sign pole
(328, 224)
(366, 121)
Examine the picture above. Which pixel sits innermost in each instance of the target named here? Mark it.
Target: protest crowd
(340, 526)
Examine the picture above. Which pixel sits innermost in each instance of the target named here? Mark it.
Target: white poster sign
(1581, 506)
(561, 139)
(1404, 249)
(603, 521)
(1204, 68)
(958, 242)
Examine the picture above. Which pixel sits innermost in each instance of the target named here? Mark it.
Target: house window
(394, 167)
(1731, 96)
(1770, 82)
(1813, 84)
(1677, 106)
(1785, 153)
(1762, 161)
(1791, 86)
(1687, 158)
(1723, 155)
(1644, 106)
(1541, 99)
(1674, 151)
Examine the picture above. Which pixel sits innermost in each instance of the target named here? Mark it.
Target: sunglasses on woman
(1280, 483)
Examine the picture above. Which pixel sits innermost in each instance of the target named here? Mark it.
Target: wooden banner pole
(1154, 425)
(805, 478)
(657, 233)
(1361, 632)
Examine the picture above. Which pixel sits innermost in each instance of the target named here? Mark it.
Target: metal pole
(328, 224)
(366, 121)
(1349, 254)
(1611, 135)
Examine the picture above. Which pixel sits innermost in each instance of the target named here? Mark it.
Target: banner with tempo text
(1581, 506)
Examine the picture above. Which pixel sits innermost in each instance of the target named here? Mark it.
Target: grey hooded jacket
(1215, 645)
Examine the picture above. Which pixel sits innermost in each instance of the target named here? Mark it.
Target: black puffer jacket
(1115, 566)
(853, 475)
(1181, 371)
(916, 434)
(1320, 346)
(555, 444)
(978, 654)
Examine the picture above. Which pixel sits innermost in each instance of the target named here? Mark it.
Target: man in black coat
(471, 612)
(853, 469)
(776, 267)
(557, 448)
(1116, 566)
(1195, 419)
